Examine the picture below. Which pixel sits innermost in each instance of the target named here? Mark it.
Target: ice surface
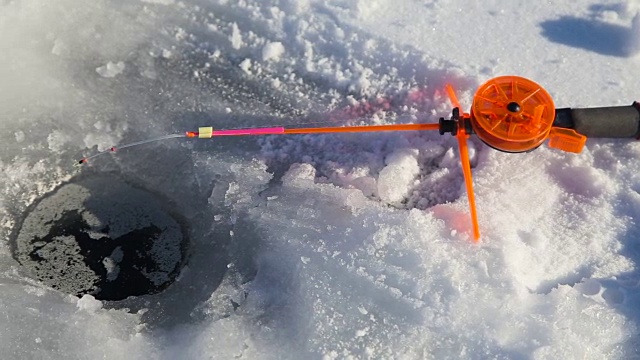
(634, 36)
(328, 246)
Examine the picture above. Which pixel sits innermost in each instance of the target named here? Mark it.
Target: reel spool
(512, 114)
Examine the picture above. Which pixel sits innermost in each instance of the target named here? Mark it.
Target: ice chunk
(57, 140)
(111, 263)
(272, 51)
(245, 65)
(19, 136)
(236, 37)
(111, 69)
(59, 47)
(89, 303)
(299, 174)
(366, 184)
(396, 178)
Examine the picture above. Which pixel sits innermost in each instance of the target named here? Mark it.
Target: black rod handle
(602, 122)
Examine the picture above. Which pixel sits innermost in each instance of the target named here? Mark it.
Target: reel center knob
(514, 107)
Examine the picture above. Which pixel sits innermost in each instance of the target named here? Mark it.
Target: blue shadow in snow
(588, 34)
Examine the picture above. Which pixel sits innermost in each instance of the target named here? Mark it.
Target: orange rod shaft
(372, 128)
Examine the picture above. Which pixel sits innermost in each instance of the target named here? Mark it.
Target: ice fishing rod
(509, 113)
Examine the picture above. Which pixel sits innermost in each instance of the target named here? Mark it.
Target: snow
(327, 246)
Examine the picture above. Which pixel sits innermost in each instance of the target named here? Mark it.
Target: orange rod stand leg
(468, 179)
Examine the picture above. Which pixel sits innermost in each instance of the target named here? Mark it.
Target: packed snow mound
(398, 175)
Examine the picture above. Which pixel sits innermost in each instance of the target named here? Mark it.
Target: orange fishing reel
(514, 114)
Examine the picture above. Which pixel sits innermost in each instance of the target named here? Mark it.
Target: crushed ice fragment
(111, 69)
(89, 303)
(272, 51)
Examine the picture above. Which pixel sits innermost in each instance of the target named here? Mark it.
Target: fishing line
(120, 147)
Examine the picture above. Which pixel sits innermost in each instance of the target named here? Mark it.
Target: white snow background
(328, 246)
